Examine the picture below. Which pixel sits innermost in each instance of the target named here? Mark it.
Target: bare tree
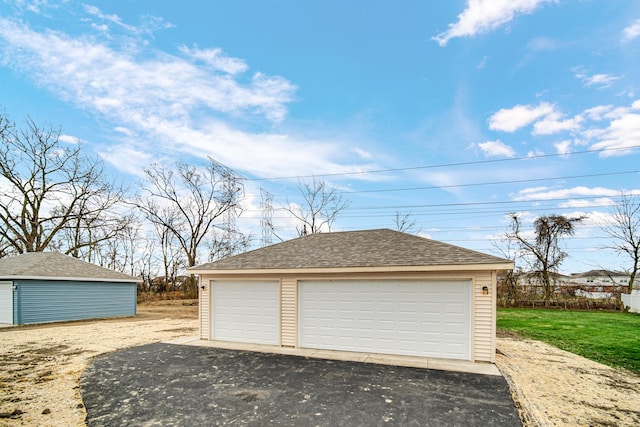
(319, 209)
(173, 257)
(404, 223)
(51, 188)
(147, 266)
(509, 281)
(624, 229)
(99, 233)
(543, 249)
(122, 253)
(5, 247)
(189, 202)
(228, 244)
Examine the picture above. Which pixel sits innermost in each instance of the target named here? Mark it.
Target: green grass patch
(611, 338)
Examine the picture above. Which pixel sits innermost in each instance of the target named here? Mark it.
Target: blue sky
(463, 110)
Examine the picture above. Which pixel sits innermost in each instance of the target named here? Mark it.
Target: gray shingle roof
(367, 248)
(54, 265)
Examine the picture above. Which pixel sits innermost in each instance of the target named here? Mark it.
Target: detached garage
(42, 287)
(373, 291)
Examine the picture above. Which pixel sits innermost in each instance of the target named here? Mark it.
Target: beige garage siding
(483, 318)
(204, 308)
(289, 312)
(482, 306)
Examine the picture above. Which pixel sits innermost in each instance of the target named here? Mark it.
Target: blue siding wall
(57, 301)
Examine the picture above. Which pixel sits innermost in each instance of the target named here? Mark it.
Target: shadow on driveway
(176, 385)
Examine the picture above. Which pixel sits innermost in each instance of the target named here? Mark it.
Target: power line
(472, 203)
(478, 162)
(516, 181)
(467, 204)
(497, 239)
(479, 184)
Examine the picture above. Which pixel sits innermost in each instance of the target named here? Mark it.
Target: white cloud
(123, 130)
(545, 193)
(597, 113)
(115, 82)
(364, 154)
(216, 59)
(496, 148)
(598, 219)
(622, 136)
(95, 11)
(583, 203)
(189, 105)
(482, 16)
(127, 158)
(533, 190)
(512, 119)
(150, 24)
(425, 235)
(563, 147)
(68, 139)
(535, 153)
(601, 80)
(632, 31)
(35, 6)
(553, 123)
(265, 154)
(618, 130)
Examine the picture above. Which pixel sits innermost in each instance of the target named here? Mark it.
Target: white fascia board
(75, 279)
(383, 269)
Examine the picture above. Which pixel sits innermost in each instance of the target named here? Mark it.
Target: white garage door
(417, 318)
(6, 302)
(246, 312)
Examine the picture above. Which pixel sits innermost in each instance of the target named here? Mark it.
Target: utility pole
(266, 205)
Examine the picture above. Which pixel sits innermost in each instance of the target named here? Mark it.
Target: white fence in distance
(632, 301)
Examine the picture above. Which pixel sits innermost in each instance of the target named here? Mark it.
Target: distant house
(590, 278)
(534, 279)
(373, 291)
(43, 287)
(594, 284)
(601, 278)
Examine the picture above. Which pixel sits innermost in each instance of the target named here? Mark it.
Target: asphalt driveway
(177, 385)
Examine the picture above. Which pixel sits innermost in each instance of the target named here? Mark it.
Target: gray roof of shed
(56, 266)
(366, 248)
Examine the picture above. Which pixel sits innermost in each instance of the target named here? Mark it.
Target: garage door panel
(246, 312)
(453, 308)
(6, 302)
(398, 317)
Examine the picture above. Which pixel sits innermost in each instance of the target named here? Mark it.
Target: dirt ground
(40, 369)
(553, 387)
(40, 366)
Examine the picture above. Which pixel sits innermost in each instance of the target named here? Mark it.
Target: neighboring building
(534, 279)
(590, 278)
(594, 284)
(374, 291)
(41, 287)
(600, 278)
